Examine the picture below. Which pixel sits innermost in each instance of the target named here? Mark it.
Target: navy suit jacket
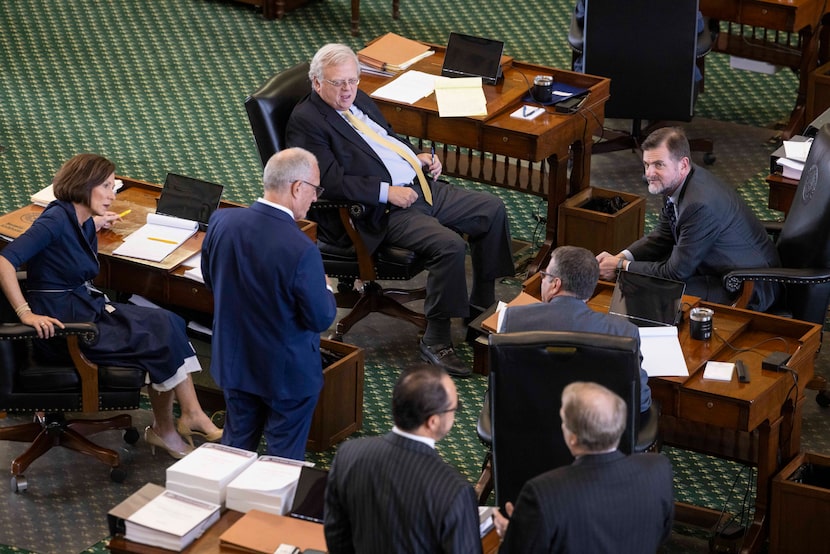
(392, 494)
(270, 303)
(716, 233)
(567, 313)
(349, 168)
(602, 503)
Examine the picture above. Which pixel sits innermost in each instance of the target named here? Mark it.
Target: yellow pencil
(124, 213)
(162, 240)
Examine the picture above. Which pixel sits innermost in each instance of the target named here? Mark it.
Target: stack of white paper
(206, 472)
(157, 238)
(662, 355)
(268, 485)
(171, 521)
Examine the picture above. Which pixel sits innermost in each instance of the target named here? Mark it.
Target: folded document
(160, 236)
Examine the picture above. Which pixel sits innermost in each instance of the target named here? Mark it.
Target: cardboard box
(818, 91)
(599, 231)
(801, 506)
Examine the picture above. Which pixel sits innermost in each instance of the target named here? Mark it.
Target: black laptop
(647, 301)
(469, 56)
(189, 198)
(310, 495)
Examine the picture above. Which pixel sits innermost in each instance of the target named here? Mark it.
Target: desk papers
(117, 517)
(408, 88)
(269, 484)
(157, 238)
(260, 532)
(206, 472)
(662, 355)
(718, 371)
(460, 97)
(393, 52)
(171, 521)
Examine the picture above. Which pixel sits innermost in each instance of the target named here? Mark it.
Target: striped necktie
(668, 210)
(395, 147)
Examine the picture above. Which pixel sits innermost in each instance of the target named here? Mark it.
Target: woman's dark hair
(77, 177)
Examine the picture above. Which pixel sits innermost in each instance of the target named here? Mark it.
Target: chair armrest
(733, 280)
(350, 211)
(87, 332)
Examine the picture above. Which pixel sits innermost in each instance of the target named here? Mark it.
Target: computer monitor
(469, 56)
(189, 198)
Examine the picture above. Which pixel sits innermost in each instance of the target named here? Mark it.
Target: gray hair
(594, 414)
(331, 54)
(288, 166)
(577, 268)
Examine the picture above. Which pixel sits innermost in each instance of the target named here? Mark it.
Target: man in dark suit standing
(704, 231)
(394, 494)
(568, 282)
(362, 160)
(271, 302)
(602, 503)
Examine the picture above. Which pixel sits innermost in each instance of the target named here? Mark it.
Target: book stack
(171, 520)
(268, 485)
(788, 160)
(205, 473)
(392, 53)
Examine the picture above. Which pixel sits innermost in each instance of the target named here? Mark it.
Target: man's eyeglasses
(340, 82)
(318, 190)
(456, 409)
(550, 276)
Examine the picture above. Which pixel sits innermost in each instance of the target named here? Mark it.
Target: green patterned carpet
(159, 85)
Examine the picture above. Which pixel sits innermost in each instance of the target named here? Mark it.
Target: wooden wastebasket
(801, 506)
(598, 231)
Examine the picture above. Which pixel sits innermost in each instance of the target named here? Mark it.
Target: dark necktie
(668, 210)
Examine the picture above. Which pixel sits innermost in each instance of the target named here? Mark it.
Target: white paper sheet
(409, 87)
(662, 355)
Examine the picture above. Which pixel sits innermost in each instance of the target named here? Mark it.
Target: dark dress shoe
(445, 357)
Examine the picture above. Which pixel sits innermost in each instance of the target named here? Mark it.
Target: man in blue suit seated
(394, 494)
(604, 501)
(567, 284)
(272, 300)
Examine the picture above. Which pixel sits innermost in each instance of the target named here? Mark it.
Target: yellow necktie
(394, 146)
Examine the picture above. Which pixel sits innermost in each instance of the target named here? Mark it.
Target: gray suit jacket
(566, 313)
(716, 232)
(602, 503)
(392, 494)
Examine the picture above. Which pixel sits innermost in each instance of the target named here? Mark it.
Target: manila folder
(262, 532)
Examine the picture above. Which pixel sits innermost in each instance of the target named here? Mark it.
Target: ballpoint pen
(433, 158)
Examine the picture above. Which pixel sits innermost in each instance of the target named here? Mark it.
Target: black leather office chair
(31, 385)
(528, 372)
(344, 254)
(649, 49)
(803, 245)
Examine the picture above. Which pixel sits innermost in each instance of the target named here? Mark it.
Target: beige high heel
(152, 438)
(188, 433)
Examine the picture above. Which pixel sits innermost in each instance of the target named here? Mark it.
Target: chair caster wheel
(823, 398)
(118, 474)
(19, 483)
(131, 435)
(709, 158)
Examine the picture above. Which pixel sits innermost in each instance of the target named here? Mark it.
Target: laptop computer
(310, 495)
(189, 198)
(646, 300)
(469, 56)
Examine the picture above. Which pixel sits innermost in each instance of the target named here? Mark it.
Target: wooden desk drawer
(405, 120)
(768, 15)
(186, 293)
(711, 410)
(508, 143)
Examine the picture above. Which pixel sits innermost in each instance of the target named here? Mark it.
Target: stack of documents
(268, 484)
(206, 472)
(393, 52)
(788, 160)
(171, 520)
(408, 88)
(157, 238)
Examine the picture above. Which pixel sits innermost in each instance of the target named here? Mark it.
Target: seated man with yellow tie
(362, 160)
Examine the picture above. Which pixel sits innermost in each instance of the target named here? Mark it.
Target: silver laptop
(647, 301)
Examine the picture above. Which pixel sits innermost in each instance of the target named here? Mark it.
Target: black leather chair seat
(391, 262)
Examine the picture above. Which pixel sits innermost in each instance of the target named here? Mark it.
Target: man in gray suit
(568, 282)
(605, 501)
(704, 231)
(394, 494)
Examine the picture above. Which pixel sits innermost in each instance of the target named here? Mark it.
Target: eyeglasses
(318, 190)
(456, 409)
(340, 82)
(550, 276)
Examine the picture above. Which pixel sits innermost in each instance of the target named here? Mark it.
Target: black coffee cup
(543, 88)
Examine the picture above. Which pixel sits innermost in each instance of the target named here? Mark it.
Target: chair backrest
(648, 49)
(270, 106)
(528, 372)
(805, 237)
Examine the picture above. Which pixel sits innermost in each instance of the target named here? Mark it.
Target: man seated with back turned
(704, 231)
(605, 501)
(394, 494)
(567, 284)
(362, 160)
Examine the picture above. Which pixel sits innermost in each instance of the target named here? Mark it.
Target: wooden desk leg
(557, 193)
(273, 9)
(355, 17)
(396, 12)
(809, 61)
(768, 441)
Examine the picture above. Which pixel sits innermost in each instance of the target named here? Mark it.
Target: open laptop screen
(189, 198)
(647, 301)
(310, 495)
(469, 56)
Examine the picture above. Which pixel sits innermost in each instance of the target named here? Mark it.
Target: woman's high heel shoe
(188, 433)
(151, 438)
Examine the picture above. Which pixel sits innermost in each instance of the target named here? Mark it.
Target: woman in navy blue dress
(60, 251)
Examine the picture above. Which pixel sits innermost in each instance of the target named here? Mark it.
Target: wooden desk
(781, 192)
(783, 32)
(757, 423)
(209, 542)
(527, 156)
